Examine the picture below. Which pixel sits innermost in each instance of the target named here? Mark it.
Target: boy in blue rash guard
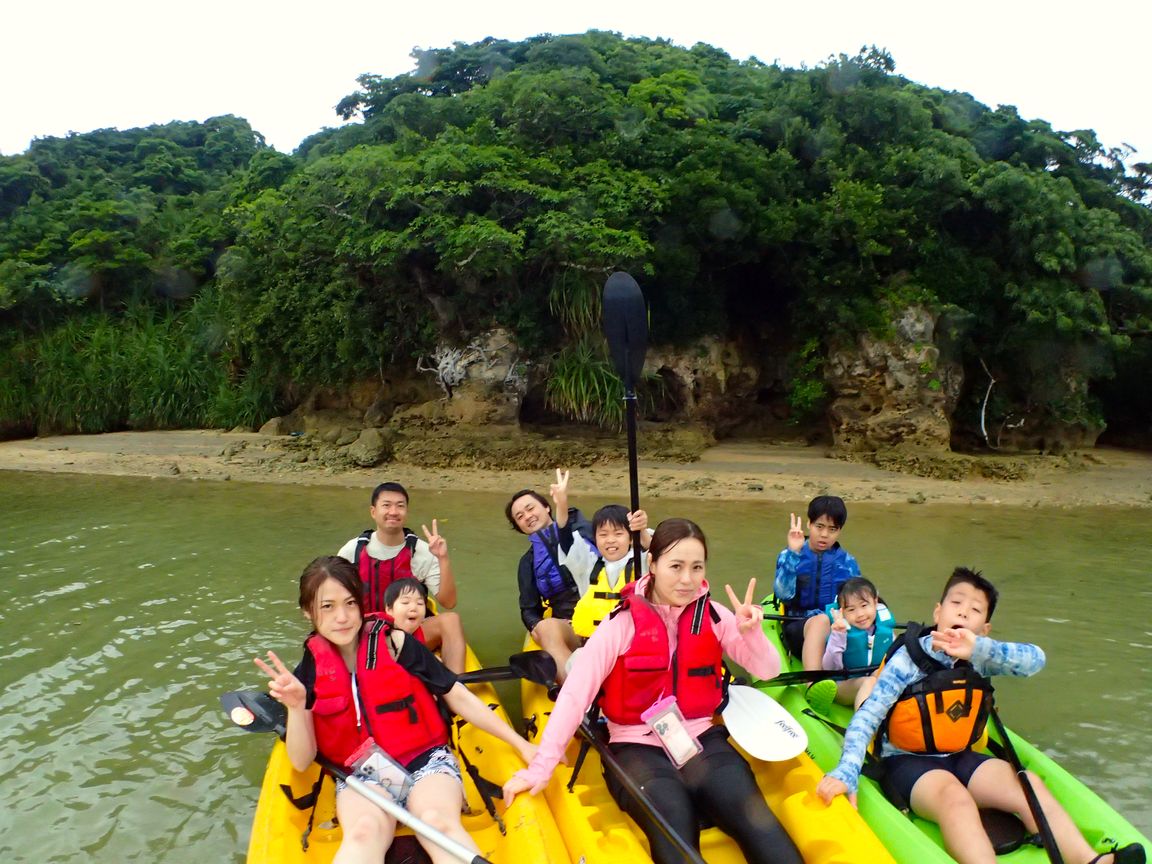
(809, 572)
(940, 776)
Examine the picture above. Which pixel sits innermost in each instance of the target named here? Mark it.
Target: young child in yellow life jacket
(609, 567)
(928, 758)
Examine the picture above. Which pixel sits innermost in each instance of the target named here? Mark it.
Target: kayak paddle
(256, 711)
(625, 319)
(761, 726)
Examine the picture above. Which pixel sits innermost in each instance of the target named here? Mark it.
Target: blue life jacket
(818, 579)
(551, 578)
(856, 653)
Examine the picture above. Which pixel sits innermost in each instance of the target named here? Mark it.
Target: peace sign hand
(748, 614)
(284, 687)
(437, 545)
(795, 533)
(838, 622)
(559, 489)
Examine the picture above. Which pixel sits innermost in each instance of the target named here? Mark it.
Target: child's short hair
(516, 497)
(407, 585)
(965, 576)
(857, 586)
(828, 505)
(615, 515)
(389, 486)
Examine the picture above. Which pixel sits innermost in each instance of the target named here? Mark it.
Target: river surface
(127, 606)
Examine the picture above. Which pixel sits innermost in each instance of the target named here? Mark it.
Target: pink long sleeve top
(612, 638)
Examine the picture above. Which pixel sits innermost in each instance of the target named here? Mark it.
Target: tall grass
(150, 369)
(583, 386)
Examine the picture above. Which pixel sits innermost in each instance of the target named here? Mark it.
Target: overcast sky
(78, 65)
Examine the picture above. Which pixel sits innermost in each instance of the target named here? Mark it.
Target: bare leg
(556, 636)
(816, 630)
(368, 830)
(446, 632)
(847, 689)
(995, 784)
(941, 797)
(437, 799)
(854, 691)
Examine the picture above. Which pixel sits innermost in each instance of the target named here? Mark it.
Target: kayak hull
(531, 833)
(913, 840)
(596, 830)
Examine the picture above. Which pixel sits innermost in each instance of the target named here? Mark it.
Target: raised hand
(795, 533)
(956, 643)
(283, 686)
(748, 614)
(437, 545)
(559, 489)
(838, 622)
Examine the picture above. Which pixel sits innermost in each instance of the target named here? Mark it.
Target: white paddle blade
(761, 726)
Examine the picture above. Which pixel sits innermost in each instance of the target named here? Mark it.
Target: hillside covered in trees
(188, 275)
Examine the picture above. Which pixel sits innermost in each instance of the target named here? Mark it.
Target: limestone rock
(372, 447)
(893, 393)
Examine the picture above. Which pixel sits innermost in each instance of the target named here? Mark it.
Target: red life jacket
(645, 672)
(396, 708)
(377, 575)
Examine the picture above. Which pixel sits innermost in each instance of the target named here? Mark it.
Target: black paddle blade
(625, 327)
(537, 666)
(254, 711)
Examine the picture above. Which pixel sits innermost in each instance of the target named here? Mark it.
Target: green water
(127, 606)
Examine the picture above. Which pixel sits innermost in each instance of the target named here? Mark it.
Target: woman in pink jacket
(657, 660)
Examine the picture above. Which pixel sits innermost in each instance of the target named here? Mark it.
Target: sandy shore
(745, 470)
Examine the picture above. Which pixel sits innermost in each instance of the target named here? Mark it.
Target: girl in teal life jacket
(861, 635)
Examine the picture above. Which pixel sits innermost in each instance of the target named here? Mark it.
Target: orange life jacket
(944, 712)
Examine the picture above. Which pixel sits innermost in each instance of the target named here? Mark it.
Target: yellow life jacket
(600, 598)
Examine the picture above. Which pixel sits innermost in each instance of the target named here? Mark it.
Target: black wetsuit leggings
(716, 783)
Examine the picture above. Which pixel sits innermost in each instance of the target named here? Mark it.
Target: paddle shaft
(633, 474)
(638, 794)
(810, 675)
(1042, 826)
(772, 617)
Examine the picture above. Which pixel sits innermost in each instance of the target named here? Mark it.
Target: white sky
(78, 65)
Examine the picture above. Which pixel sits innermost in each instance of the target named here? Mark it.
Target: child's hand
(638, 521)
(839, 625)
(559, 489)
(437, 545)
(284, 687)
(795, 533)
(955, 643)
(829, 787)
(748, 614)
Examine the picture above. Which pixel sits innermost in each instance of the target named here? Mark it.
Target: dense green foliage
(500, 182)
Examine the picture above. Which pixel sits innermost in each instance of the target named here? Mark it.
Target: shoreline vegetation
(746, 470)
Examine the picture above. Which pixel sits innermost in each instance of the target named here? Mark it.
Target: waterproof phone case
(666, 720)
(371, 764)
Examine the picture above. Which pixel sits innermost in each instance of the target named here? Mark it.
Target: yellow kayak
(596, 830)
(530, 833)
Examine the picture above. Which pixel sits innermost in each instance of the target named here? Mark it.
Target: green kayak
(913, 840)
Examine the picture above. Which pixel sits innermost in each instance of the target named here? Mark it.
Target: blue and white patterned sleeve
(785, 585)
(897, 674)
(1020, 659)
